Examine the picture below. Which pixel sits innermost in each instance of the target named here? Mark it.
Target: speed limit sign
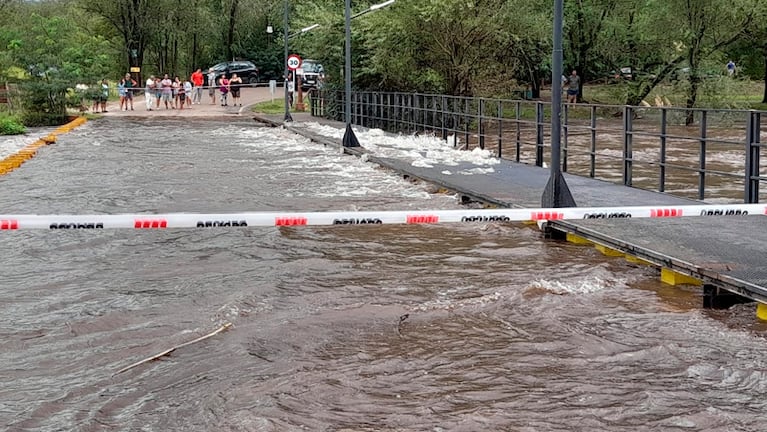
(294, 62)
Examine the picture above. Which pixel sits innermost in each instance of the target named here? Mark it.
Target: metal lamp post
(350, 140)
(556, 193)
(288, 118)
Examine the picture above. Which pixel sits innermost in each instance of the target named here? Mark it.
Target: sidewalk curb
(29, 151)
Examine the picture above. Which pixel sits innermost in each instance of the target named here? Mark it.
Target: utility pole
(556, 193)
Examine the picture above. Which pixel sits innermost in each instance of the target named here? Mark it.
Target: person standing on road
(573, 87)
(176, 86)
(235, 84)
(167, 91)
(189, 90)
(121, 92)
(224, 88)
(212, 86)
(149, 92)
(129, 85)
(180, 95)
(291, 88)
(197, 81)
(104, 95)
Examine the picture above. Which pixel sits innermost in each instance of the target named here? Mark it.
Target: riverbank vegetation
(626, 51)
(10, 125)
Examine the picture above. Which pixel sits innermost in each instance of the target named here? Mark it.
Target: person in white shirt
(188, 90)
(212, 85)
(149, 92)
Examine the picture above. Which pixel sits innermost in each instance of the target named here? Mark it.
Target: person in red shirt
(197, 81)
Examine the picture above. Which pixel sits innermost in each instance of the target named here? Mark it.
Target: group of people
(173, 93)
(176, 93)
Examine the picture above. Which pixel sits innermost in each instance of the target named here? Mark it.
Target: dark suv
(244, 69)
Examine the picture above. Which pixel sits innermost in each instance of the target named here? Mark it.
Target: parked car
(244, 69)
(313, 73)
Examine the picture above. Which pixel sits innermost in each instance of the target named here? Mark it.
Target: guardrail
(720, 156)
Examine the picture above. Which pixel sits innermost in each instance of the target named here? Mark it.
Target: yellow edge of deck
(635, 260)
(673, 278)
(761, 311)
(576, 239)
(608, 251)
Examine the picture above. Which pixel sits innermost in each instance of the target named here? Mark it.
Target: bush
(44, 103)
(10, 125)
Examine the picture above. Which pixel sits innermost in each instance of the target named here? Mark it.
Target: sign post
(299, 88)
(294, 63)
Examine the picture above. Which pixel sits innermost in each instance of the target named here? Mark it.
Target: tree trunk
(764, 98)
(692, 96)
(230, 32)
(194, 51)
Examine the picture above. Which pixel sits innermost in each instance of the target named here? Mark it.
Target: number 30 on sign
(294, 62)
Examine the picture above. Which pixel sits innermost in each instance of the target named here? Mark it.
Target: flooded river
(358, 328)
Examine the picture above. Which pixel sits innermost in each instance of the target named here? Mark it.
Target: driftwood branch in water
(168, 351)
(399, 324)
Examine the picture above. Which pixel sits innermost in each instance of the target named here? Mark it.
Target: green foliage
(469, 47)
(276, 106)
(10, 125)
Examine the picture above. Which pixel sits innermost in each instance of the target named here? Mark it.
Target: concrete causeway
(724, 254)
(720, 253)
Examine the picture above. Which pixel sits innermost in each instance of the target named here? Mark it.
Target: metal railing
(718, 157)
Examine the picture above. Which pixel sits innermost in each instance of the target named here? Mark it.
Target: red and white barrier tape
(195, 220)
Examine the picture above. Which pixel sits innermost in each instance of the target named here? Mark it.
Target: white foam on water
(349, 177)
(10, 144)
(577, 286)
(449, 304)
(421, 151)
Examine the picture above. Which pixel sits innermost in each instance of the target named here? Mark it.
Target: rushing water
(355, 328)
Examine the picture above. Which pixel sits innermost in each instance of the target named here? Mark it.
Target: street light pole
(556, 193)
(288, 118)
(350, 140)
(373, 8)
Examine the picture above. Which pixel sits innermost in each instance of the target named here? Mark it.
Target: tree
(134, 20)
(448, 45)
(585, 22)
(756, 35)
(55, 54)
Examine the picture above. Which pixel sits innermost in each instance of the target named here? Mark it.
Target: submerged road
(477, 326)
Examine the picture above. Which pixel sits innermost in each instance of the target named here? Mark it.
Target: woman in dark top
(234, 85)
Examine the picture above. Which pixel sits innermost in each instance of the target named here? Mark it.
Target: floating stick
(166, 352)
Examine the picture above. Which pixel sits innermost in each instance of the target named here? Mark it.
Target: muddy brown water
(471, 327)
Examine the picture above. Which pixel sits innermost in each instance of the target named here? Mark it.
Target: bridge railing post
(702, 155)
(517, 130)
(480, 126)
(539, 116)
(628, 136)
(565, 130)
(593, 139)
(663, 140)
(753, 129)
(500, 129)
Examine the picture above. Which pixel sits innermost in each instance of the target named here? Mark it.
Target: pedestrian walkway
(718, 252)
